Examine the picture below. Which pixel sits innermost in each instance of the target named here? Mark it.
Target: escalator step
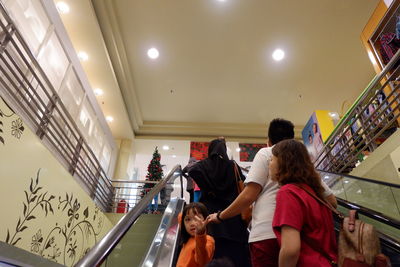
(132, 248)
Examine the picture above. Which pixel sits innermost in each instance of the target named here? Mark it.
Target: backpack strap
(323, 202)
(311, 243)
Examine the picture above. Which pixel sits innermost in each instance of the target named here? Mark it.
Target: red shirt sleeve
(289, 210)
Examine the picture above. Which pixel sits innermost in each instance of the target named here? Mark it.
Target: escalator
(135, 243)
(357, 193)
(376, 202)
(140, 239)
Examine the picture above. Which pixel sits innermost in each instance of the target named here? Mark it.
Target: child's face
(190, 222)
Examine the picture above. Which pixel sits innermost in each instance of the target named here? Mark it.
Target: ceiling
(215, 75)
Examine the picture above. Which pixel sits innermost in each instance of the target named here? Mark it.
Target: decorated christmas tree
(154, 172)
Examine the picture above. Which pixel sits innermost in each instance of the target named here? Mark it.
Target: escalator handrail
(362, 179)
(101, 250)
(164, 247)
(380, 217)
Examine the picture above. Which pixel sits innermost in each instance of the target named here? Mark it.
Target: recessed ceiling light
(238, 149)
(153, 53)
(165, 147)
(62, 7)
(98, 92)
(109, 119)
(278, 54)
(83, 56)
(174, 156)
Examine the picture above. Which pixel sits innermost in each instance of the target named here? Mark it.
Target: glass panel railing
(374, 195)
(376, 203)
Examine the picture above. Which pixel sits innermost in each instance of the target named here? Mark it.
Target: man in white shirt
(261, 190)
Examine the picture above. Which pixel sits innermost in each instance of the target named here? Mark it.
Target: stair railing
(373, 117)
(27, 89)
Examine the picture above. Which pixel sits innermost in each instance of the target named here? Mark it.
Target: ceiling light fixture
(278, 54)
(238, 149)
(83, 56)
(174, 156)
(62, 7)
(98, 92)
(334, 115)
(165, 147)
(153, 53)
(109, 119)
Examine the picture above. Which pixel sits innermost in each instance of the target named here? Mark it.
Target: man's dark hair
(280, 129)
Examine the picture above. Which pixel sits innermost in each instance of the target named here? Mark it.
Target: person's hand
(200, 225)
(212, 218)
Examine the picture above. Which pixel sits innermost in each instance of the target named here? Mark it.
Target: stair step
(131, 250)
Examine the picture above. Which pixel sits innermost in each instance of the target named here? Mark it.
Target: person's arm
(328, 195)
(204, 250)
(184, 171)
(290, 247)
(245, 199)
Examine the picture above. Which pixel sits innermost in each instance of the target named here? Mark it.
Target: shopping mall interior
(93, 93)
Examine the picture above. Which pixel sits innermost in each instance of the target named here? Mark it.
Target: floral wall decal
(64, 243)
(34, 199)
(17, 128)
(1, 128)
(45, 211)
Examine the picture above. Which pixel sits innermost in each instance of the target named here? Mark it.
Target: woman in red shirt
(303, 226)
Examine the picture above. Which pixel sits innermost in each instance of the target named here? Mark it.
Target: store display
(199, 150)
(249, 151)
(316, 132)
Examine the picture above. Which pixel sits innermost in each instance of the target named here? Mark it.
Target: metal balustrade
(25, 86)
(373, 117)
(129, 193)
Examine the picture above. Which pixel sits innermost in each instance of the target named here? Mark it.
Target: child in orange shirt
(198, 247)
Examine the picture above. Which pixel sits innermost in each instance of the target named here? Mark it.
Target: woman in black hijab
(215, 176)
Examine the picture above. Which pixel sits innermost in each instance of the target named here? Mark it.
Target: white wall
(180, 149)
(382, 164)
(144, 153)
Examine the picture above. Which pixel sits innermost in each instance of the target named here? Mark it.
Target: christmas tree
(154, 172)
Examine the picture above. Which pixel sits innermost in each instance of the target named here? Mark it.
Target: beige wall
(43, 209)
(382, 164)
